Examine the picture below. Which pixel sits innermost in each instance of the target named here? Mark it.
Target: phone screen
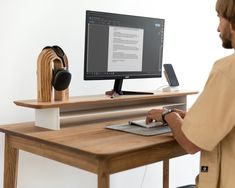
(170, 75)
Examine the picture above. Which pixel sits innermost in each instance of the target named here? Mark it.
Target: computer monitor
(121, 47)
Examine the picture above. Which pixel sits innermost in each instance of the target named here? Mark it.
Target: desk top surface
(89, 136)
(92, 138)
(99, 99)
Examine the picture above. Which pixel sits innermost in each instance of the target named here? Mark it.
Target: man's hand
(154, 115)
(180, 112)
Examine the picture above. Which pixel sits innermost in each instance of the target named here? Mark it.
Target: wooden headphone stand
(46, 63)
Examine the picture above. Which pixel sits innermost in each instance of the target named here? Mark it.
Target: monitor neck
(118, 86)
(118, 89)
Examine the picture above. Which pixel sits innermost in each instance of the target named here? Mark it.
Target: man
(209, 124)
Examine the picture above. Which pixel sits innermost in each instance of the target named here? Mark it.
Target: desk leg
(103, 174)
(166, 173)
(10, 164)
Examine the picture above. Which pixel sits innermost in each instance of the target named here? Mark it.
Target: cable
(145, 172)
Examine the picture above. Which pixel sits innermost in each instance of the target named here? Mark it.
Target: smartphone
(170, 75)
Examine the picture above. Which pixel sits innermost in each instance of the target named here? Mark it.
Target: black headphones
(61, 77)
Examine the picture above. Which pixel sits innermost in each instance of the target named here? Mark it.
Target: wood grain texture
(11, 156)
(103, 100)
(84, 142)
(166, 173)
(46, 63)
(91, 138)
(103, 174)
(93, 148)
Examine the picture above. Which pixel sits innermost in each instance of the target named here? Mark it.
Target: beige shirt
(209, 124)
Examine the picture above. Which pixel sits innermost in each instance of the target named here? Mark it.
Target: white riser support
(48, 118)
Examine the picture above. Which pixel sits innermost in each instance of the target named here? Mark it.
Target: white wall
(191, 44)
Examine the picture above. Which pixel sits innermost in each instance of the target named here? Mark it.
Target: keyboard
(142, 123)
(139, 127)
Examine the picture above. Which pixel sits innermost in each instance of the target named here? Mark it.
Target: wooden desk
(88, 145)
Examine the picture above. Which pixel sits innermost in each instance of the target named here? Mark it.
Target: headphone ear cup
(61, 79)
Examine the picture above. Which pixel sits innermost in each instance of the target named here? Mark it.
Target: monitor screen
(121, 46)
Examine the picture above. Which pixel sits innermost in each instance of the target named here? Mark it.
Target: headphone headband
(59, 52)
(61, 77)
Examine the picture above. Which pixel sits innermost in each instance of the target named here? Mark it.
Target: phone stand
(170, 88)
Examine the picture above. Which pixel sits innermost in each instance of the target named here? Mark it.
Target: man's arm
(175, 122)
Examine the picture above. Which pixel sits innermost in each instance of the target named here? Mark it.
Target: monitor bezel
(127, 75)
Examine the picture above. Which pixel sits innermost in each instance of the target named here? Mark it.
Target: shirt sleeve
(212, 116)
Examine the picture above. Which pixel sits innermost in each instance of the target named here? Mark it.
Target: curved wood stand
(46, 63)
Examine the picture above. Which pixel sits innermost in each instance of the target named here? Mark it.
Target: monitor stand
(117, 90)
